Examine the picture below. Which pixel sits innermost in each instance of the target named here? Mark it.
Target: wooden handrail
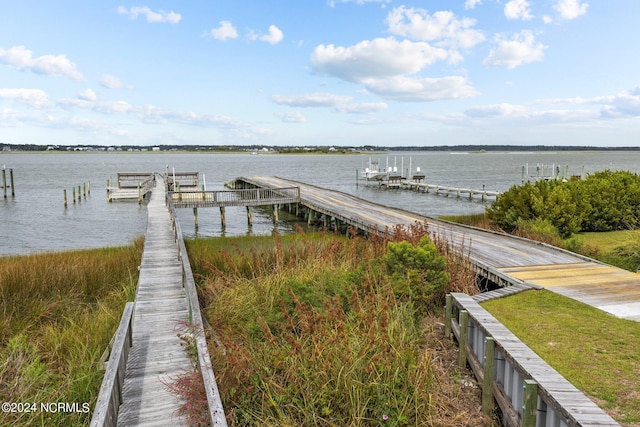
(110, 396)
(517, 372)
(216, 410)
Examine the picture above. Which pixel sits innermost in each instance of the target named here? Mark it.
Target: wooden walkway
(156, 356)
(512, 260)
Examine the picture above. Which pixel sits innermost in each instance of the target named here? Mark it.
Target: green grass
(58, 312)
(598, 353)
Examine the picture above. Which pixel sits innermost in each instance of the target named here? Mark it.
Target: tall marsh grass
(311, 331)
(58, 312)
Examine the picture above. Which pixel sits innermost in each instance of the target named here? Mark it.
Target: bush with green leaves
(604, 201)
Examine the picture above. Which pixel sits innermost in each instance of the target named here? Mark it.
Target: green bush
(604, 201)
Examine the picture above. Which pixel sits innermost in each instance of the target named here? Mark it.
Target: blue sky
(320, 72)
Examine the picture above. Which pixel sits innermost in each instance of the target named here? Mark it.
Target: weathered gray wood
(110, 395)
(156, 357)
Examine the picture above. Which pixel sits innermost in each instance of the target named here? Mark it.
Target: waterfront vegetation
(320, 329)
(595, 351)
(58, 312)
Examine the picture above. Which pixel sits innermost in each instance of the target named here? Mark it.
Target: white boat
(373, 172)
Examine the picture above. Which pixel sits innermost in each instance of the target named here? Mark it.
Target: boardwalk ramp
(156, 356)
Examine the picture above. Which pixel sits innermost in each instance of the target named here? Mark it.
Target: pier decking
(504, 259)
(156, 356)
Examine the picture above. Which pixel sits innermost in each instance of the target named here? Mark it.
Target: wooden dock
(505, 259)
(130, 186)
(156, 356)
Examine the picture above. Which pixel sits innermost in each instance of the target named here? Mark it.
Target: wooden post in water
(79, 198)
(462, 342)
(276, 217)
(74, 194)
(13, 192)
(487, 380)
(195, 217)
(4, 182)
(223, 217)
(89, 188)
(139, 194)
(249, 217)
(65, 198)
(84, 190)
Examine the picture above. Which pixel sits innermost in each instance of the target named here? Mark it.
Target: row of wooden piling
(83, 190)
(5, 186)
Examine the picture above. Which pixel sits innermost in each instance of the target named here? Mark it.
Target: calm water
(35, 220)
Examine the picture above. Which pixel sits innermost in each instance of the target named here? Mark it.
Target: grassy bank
(320, 330)
(58, 312)
(595, 351)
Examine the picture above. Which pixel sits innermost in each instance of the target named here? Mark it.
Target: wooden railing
(245, 197)
(528, 391)
(215, 408)
(105, 413)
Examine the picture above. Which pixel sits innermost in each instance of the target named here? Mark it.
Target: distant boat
(373, 172)
(254, 153)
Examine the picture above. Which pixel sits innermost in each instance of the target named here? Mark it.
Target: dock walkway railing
(110, 396)
(215, 408)
(243, 197)
(529, 392)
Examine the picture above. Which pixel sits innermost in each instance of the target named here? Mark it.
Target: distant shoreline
(310, 149)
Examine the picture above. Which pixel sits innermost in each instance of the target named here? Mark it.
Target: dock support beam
(195, 217)
(223, 217)
(276, 216)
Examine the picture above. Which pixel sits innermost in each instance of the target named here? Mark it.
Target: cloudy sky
(320, 72)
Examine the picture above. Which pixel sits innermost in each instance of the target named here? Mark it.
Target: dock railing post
(462, 341)
(487, 380)
(447, 315)
(530, 409)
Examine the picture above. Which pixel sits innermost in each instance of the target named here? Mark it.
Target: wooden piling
(195, 217)
(65, 198)
(223, 218)
(84, 189)
(74, 194)
(276, 216)
(249, 217)
(13, 193)
(4, 182)
(79, 197)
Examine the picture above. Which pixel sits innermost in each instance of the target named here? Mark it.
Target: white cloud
(547, 19)
(152, 17)
(87, 95)
(425, 89)
(518, 9)
(496, 110)
(521, 49)
(36, 98)
(362, 108)
(111, 82)
(50, 65)
(571, 9)
(225, 31)
(275, 35)
(471, 4)
(442, 27)
(292, 117)
(311, 100)
(379, 58)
